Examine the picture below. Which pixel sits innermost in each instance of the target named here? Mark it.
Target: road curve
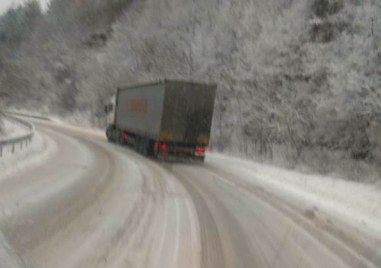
(95, 204)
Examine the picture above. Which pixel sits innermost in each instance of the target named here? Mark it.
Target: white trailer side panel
(140, 109)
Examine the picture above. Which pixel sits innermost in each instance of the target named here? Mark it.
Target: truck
(165, 120)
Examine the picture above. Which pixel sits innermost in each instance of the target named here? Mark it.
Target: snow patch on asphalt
(357, 204)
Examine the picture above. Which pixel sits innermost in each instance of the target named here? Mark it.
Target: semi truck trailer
(165, 120)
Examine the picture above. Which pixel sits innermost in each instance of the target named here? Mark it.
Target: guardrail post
(13, 142)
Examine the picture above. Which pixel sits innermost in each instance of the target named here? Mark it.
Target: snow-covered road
(95, 204)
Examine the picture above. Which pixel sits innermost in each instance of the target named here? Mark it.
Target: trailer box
(171, 118)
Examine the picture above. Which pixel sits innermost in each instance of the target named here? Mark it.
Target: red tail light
(200, 150)
(164, 147)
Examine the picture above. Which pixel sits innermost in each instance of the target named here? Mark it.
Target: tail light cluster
(164, 147)
(161, 146)
(200, 150)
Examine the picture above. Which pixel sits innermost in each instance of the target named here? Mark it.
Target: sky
(5, 4)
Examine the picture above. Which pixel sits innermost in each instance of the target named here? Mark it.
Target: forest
(299, 81)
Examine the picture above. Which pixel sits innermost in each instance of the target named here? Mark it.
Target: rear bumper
(173, 151)
(179, 158)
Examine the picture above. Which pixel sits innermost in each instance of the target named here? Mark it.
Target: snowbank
(41, 148)
(8, 258)
(34, 153)
(12, 129)
(11, 163)
(355, 203)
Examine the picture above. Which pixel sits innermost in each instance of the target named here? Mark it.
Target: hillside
(299, 81)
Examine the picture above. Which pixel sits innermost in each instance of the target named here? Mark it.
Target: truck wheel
(109, 133)
(121, 140)
(115, 135)
(136, 144)
(201, 159)
(145, 147)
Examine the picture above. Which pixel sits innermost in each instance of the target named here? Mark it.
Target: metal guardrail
(22, 141)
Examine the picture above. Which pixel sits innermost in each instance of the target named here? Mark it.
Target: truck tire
(120, 138)
(201, 159)
(136, 144)
(109, 133)
(115, 135)
(145, 147)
